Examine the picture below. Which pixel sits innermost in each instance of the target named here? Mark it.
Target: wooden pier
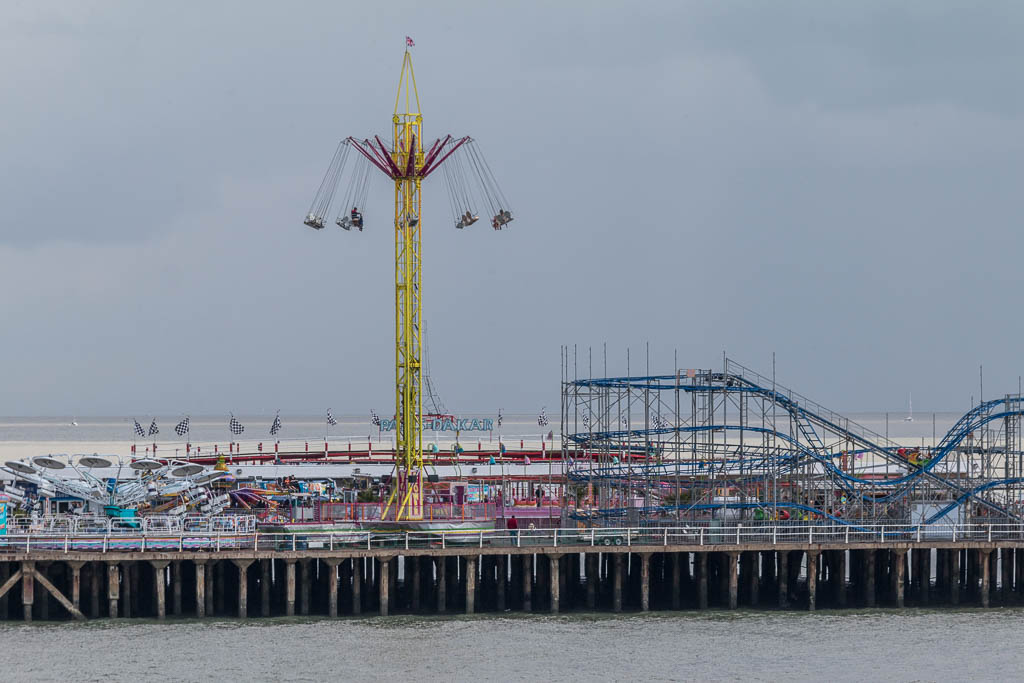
(501, 572)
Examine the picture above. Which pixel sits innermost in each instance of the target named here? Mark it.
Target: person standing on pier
(512, 524)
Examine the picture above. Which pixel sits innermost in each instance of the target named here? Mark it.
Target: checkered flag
(235, 426)
(586, 421)
(330, 419)
(181, 429)
(139, 431)
(276, 426)
(153, 429)
(542, 419)
(499, 418)
(375, 418)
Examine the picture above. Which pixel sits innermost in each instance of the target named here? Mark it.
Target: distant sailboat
(910, 406)
(74, 422)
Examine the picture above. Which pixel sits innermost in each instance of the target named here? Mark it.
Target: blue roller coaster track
(753, 459)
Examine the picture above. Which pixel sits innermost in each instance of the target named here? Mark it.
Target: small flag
(499, 418)
(408, 42)
(542, 419)
(138, 429)
(586, 421)
(276, 427)
(153, 429)
(330, 419)
(181, 429)
(235, 426)
(375, 418)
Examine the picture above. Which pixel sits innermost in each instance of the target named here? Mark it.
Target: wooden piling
(200, 566)
(812, 579)
(243, 587)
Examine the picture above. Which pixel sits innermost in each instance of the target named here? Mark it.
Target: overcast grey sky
(840, 183)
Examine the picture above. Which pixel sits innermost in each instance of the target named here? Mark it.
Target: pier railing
(93, 525)
(234, 539)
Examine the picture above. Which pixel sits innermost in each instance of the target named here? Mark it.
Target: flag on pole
(542, 419)
(499, 418)
(330, 419)
(138, 429)
(409, 42)
(235, 426)
(181, 429)
(276, 427)
(153, 429)
(375, 418)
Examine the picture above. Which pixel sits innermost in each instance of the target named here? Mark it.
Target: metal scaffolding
(731, 444)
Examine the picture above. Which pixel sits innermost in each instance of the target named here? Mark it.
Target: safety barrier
(142, 540)
(93, 525)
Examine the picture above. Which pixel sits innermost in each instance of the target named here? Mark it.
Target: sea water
(25, 437)
(854, 645)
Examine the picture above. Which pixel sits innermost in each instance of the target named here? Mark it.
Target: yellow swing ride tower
(471, 187)
(407, 153)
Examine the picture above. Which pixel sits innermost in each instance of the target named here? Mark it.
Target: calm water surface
(909, 645)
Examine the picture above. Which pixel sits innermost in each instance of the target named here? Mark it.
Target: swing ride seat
(501, 218)
(344, 222)
(314, 222)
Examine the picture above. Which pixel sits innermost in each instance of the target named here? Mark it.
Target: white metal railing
(90, 525)
(344, 443)
(218, 534)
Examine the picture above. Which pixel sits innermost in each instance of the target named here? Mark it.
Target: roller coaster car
(314, 222)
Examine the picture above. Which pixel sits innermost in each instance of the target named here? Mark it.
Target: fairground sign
(446, 424)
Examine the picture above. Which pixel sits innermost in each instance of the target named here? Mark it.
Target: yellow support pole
(407, 154)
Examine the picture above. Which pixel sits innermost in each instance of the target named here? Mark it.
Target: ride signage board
(447, 424)
(3, 519)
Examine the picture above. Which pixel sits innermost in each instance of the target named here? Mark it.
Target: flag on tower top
(409, 42)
